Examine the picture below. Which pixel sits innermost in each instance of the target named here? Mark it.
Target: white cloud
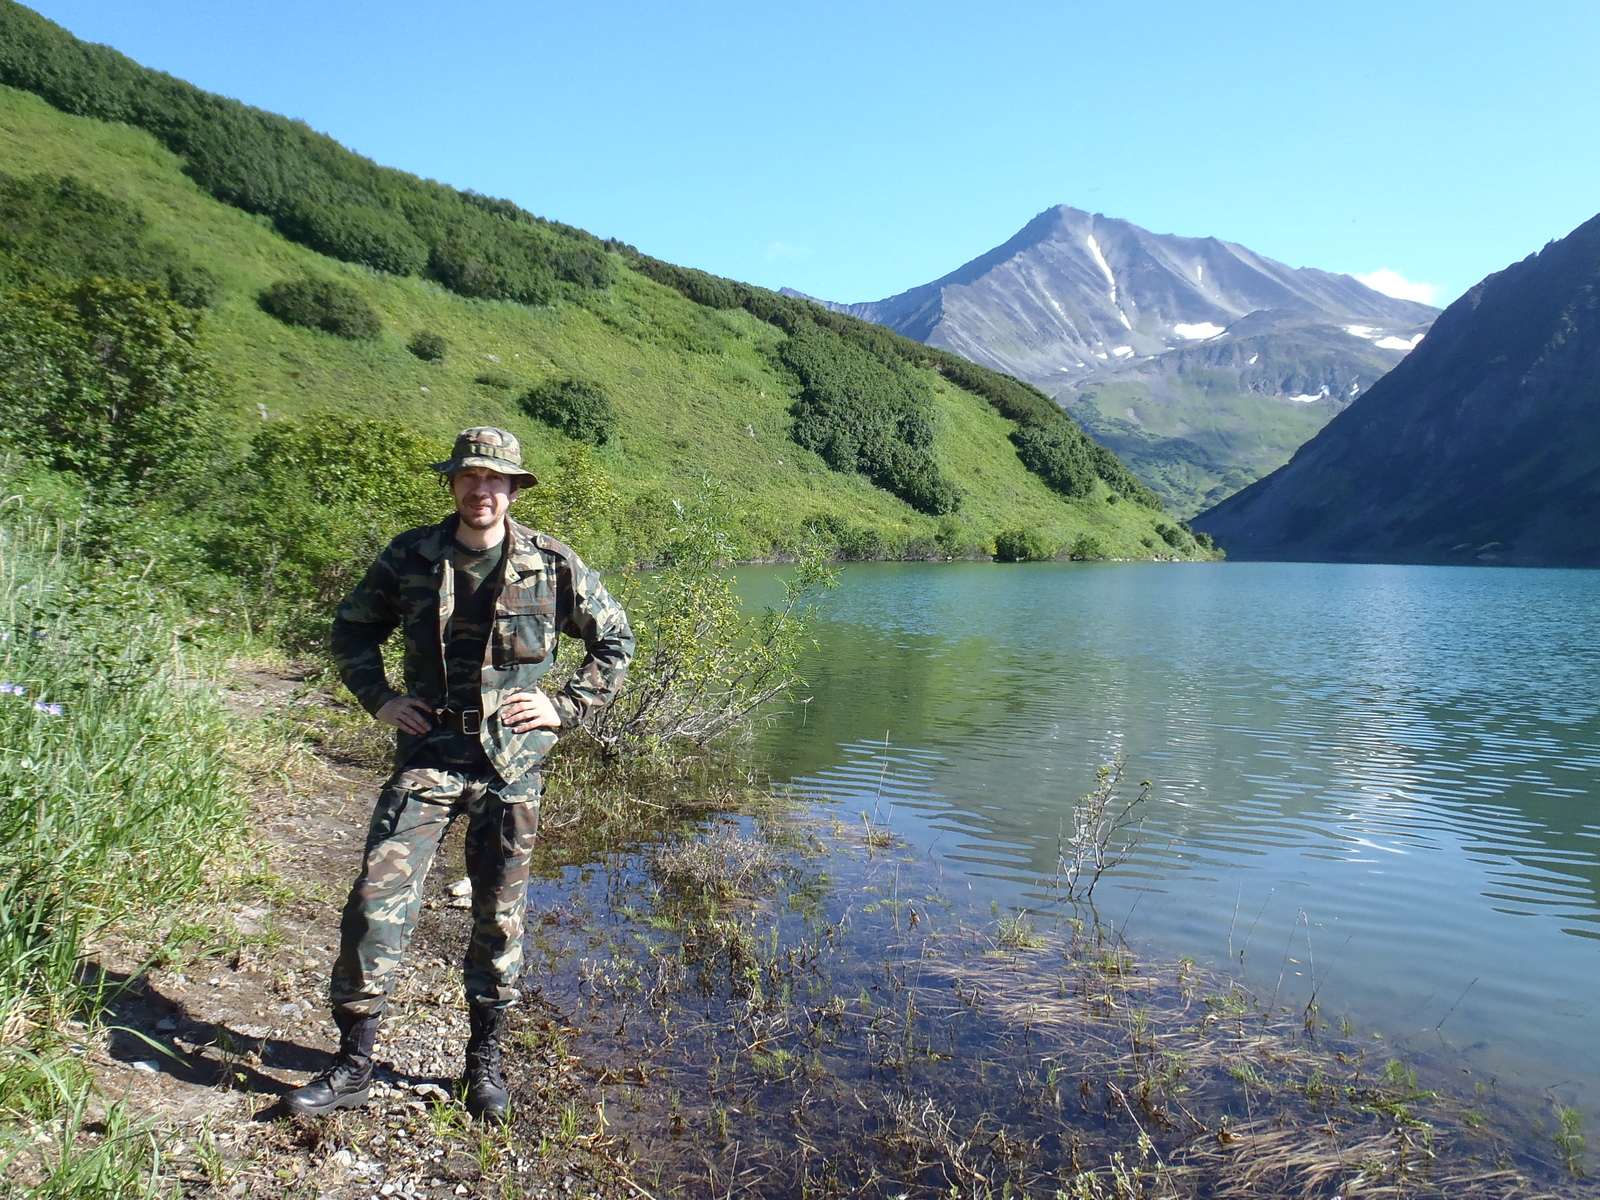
(777, 250)
(1392, 283)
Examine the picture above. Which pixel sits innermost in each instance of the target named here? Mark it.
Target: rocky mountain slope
(1200, 362)
(1482, 446)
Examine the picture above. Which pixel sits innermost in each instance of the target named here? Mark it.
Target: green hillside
(1195, 438)
(886, 447)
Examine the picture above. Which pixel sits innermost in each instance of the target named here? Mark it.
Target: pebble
(166, 1025)
(461, 887)
(147, 1066)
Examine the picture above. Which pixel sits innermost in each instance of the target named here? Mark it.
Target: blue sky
(856, 149)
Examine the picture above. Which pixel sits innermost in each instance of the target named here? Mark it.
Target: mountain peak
(1191, 340)
(1071, 288)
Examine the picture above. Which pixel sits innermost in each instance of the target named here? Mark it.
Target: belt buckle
(471, 720)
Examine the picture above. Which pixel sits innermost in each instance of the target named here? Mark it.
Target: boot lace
(485, 1066)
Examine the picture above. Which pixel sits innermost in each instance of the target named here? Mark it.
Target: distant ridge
(1482, 446)
(1199, 361)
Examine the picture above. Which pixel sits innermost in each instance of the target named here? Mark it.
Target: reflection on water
(1387, 772)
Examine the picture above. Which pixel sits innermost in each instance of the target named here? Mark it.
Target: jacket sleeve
(363, 622)
(586, 610)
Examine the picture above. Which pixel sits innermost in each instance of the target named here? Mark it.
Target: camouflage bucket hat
(486, 446)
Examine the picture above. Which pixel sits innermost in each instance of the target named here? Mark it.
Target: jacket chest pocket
(524, 629)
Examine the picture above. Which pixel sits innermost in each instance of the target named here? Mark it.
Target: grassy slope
(1249, 434)
(689, 383)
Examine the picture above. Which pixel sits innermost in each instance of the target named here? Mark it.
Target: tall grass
(116, 793)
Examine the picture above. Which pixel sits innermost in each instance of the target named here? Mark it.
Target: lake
(1378, 778)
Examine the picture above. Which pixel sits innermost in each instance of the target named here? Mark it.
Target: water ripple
(1406, 758)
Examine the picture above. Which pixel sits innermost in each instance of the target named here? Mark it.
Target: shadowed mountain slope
(1482, 446)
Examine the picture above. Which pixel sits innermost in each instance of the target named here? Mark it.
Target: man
(479, 600)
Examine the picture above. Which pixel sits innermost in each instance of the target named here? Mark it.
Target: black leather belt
(466, 721)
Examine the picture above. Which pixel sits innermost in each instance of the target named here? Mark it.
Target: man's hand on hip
(407, 714)
(523, 711)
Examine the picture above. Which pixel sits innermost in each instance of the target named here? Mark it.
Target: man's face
(482, 496)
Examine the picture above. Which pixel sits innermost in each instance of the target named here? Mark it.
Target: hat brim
(512, 470)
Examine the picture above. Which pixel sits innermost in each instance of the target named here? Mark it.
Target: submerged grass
(834, 1027)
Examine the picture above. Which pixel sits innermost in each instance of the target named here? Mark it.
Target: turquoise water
(1381, 779)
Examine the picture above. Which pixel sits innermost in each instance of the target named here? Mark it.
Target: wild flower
(12, 689)
(53, 710)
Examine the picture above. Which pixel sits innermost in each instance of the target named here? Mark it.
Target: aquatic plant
(1105, 833)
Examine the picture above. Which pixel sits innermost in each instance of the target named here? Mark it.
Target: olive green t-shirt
(477, 583)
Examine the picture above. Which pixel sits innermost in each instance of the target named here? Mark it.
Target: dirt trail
(205, 1043)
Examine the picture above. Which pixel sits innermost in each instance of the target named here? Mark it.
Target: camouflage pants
(414, 811)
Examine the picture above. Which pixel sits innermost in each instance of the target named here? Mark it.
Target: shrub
(1204, 541)
(427, 346)
(57, 229)
(863, 414)
(106, 378)
(1022, 545)
(580, 507)
(704, 667)
(313, 504)
(1172, 535)
(1086, 546)
(313, 189)
(578, 409)
(322, 304)
(1063, 462)
(710, 291)
(1053, 446)
(496, 379)
(356, 233)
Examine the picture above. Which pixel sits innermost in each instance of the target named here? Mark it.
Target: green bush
(704, 666)
(1048, 441)
(312, 505)
(58, 229)
(1086, 547)
(105, 378)
(863, 414)
(578, 409)
(1173, 536)
(336, 308)
(1022, 545)
(428, 346)
(1062, 461)
(499, 380)
(356, 233)
(313, 189)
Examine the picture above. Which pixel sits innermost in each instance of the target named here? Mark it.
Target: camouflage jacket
(545, 590)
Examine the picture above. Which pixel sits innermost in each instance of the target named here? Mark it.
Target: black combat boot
(348, 1080)
(487, 1097)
